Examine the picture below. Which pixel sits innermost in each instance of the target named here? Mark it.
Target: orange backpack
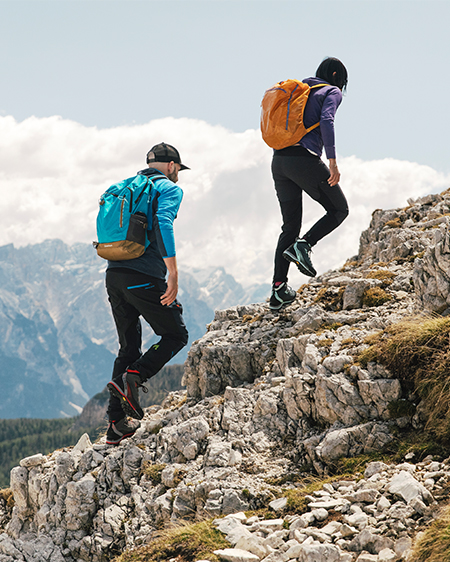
(282, 113)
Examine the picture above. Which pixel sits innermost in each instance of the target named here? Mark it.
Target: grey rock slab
(34, 460)
(319, 514)
(383, 503)
(232, 503)
(274, 541)
(83, 444)
(186, 436)
(316, 552)
(19, 486)
(387, 555)
(370, 541)
(237, 533)
(219, 453)
(270, 525)
(348, 531)
(297, 524)
(254, 545)
(418, 506)
(227, 524)
(407, 487)
(332, 527)
(279, 504)
(236, 555)
(132, 460)
(366, 496)
(402, 545)
(239, 516)
(327, 504)
(358, 520)
(366, 557)
(294, 551)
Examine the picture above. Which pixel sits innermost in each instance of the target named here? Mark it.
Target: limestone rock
(408, 488)
(266, 393)
(236, 555)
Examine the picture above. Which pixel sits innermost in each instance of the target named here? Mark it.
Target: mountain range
(57, 336)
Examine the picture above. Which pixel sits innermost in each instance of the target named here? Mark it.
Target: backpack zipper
(123, 205)
(121, 213)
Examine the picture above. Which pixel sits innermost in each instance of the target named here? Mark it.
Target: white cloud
(52, 172)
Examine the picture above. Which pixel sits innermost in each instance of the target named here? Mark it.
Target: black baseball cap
(163, 152)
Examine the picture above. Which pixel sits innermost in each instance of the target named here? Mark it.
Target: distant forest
(23, 437)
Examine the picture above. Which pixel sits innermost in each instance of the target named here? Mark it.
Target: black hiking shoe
(281, 296)
(299, 253)
(126, 389)
(118, 430)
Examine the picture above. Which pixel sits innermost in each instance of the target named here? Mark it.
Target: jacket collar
(149, 172)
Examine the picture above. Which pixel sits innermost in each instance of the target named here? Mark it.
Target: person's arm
(168, 204)
(172, 281)
(329, 108)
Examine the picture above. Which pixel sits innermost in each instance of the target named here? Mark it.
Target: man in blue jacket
(138, 287)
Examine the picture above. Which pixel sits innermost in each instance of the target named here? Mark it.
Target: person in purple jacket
(299, 168)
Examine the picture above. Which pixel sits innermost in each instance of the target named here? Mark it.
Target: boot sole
(281, 304)
(116, 442)
(302, 268)
(129, 409)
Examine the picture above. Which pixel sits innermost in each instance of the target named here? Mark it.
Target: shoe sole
(290, 257)
(285, 303)
(127, 406)
(110, 442)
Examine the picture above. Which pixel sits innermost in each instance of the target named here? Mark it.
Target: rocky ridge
(268, 397)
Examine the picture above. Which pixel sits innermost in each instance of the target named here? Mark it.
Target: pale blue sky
(106, 63)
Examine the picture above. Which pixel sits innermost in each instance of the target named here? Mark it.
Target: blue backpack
(122, 219)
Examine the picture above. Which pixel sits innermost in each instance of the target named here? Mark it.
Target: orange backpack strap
(317, 124)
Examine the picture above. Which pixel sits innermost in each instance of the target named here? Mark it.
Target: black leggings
(132, 295)
(295, 170)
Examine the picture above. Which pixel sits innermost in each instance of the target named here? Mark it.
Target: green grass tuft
(153, 471)
(434, 544)
(417, 351)
(186, 543)
(375, 296)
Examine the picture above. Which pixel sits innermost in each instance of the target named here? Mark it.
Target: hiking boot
(118, 430)
(299, 253)
(126, 389)
(281, 295)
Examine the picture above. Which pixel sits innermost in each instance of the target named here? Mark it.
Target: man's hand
(172, 282)
(335, 175)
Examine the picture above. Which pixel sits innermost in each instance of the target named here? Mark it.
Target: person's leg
(128, 327)
(291, 212)
(313, 178)
(289, 196)
(143, 294)
(335, 204)
(166, 321)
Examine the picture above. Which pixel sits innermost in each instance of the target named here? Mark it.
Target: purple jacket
(321, 106)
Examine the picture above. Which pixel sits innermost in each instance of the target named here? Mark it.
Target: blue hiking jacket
(165, 201)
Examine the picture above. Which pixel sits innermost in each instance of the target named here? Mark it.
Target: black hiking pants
(132, 295)
(295, 170)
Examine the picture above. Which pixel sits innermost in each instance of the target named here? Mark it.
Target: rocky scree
(267, 396)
